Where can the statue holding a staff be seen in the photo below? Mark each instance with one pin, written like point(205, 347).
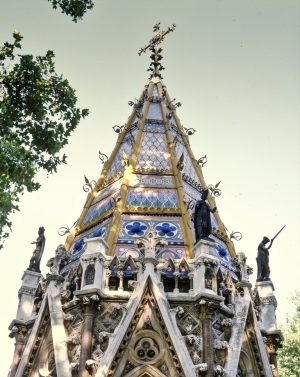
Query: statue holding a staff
point(263, 268)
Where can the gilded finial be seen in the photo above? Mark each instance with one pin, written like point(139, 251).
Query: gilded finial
point(155, 66)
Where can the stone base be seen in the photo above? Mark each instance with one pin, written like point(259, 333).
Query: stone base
point(204, 247)
point(265, 291)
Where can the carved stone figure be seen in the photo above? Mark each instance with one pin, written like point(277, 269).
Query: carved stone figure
point(34, 264)
point(55, 262)
point(194, 343)
point(202, 221)
point(263, 269)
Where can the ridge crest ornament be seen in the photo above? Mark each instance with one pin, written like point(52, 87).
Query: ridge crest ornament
point(155, 66)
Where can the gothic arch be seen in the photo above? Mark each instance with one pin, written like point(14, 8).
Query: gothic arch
point(245, 367)
point(145, 371)
point(89, 274)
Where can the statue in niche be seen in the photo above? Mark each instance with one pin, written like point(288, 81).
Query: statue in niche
point(263, 269)
point(208, 279)
point(202, 221)
point(34, 264)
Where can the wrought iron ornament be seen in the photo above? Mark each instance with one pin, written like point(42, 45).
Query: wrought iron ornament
point(155, 66)
point(89, 185)
point(102, 157)
point(202, 160)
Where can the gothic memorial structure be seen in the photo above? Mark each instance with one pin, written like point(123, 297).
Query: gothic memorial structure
point(148, 283)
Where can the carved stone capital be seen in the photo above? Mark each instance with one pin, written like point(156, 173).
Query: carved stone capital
point(269, 300)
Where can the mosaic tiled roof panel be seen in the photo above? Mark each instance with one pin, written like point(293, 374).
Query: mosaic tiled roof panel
point(154, 153)
point(151, 183)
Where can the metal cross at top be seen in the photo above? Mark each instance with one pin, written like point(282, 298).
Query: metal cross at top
point(155, 66)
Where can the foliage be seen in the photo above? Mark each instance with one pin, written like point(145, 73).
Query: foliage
point(38, 113)
point(289, 355)
point(74, 8)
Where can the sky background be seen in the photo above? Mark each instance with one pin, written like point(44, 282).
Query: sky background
point(234, 65)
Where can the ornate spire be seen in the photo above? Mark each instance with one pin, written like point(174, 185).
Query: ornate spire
point(155, 66)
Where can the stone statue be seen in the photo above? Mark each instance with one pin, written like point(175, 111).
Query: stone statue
point(202, 222)
point(263, 269)
point(55, 262)
point(34, 264)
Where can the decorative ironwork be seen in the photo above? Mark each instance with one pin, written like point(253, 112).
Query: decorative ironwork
point(214, 190)
point(137, 104)
point(173, 104)
point(63, 230)
point(102, 157)
point(189, 131)
point(192, 182)
point(89, 185)
point(155, 66)
point(113, 202)
point(190, 205)
point(139, 115)
point(118, 129)
point(202, 160)
point(180, 163)
point(236, 236)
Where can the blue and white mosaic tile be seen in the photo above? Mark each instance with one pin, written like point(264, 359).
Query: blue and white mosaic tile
point(154, 152)
point(153, 181)
point(160, 199)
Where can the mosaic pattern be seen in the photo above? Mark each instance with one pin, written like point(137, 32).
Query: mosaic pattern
point(100, 208)
point(155, 91)
point(132, 229)
point(154, 127)
point(171, 253)
point(126, 251)
point(153, 181)
point(154, 111)
point(108, 191)
point(117, 165)
point(175, 132)
point(154, 152)
point(165, 229)
point(160, 199)
point(188, 168)
point(78, 246)
point(136, 229)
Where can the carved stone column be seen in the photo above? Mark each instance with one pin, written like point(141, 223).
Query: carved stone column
point(121, 277)
point(87, 332)
point(273, 342)
point(176, 290)
point(19, 332)
point(207, 309)
point(57, 324)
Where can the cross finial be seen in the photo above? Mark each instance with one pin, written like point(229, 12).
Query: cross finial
point(155, 66)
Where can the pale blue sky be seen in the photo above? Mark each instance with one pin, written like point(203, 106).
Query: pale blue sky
point(234, 65)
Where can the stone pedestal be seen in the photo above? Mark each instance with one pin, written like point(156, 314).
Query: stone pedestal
point(93, 257)
point(30, 281)
point(205, 260)
point(204, 247)
point(265, 291)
